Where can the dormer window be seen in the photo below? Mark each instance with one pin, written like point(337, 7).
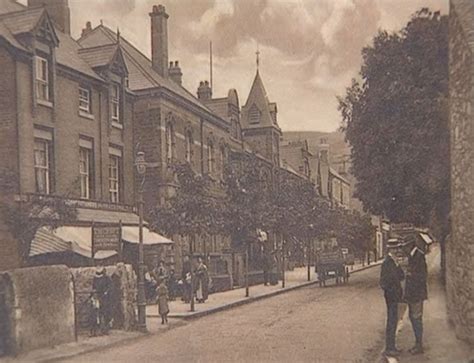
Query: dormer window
point(84, 100)
point(115, 103)
point(42, 79)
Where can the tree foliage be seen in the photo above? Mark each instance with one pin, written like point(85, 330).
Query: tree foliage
point(25, 216)
point(194, 210)
point(396, 121)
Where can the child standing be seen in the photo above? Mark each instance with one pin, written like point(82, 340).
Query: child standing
point(94, 317)
point(163, 308)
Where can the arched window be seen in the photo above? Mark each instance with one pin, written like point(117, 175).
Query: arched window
point(210, 157)
point(222, 160)
point(189, 146)
point(169, 134)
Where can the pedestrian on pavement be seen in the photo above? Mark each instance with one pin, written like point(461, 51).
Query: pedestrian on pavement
point(172, 285)
point(94, 314)
point(186, 279)
point(391, 276)
point(267, 266)
point(163, 307)
point(416, 290)
point(102, 285)
point(202, 281)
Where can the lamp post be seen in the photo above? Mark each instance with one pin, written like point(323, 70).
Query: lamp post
point(140, 164)
point(309, 250)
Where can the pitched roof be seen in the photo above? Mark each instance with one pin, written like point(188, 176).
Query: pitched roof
point(67, 54)
point(17, 19)
point(9, 6)
point(141, 75)
point(258, 98)
point(99, 56)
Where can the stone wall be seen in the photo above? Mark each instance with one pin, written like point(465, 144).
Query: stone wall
point(460, 247)
point(124, 294)
point(39, 306)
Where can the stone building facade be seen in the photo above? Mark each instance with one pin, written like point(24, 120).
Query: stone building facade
point(460, 247)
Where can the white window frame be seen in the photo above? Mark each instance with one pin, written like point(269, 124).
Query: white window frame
point(115, 101)
point(85, 156)
point(85, 99)
point(114, 178)
point(42, 168)
point(189, 147)
point(42, 78)
point(210, 157)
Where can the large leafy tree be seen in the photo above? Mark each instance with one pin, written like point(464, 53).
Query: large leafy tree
point(196, 208)
point(396, 121)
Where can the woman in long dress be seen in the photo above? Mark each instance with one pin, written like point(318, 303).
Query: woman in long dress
point(163, 308)
point(202, 278)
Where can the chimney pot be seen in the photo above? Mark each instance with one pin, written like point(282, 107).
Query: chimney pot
point(175, 72)
point(204, 91)
point(171, 64)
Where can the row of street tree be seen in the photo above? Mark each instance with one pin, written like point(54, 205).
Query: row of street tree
point(252, 196)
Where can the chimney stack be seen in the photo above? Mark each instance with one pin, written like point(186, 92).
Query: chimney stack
point(175, 72)
point(159, 40)
point(87, 29)
point(59, 12)
point(204, 91)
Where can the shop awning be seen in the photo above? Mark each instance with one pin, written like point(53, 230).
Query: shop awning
point(78, 239)
point(131, 234)
point(66, 239)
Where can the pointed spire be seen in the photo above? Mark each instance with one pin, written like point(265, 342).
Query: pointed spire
point(258, 57)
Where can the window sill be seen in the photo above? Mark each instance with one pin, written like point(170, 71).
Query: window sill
point(117, 125)
point(44, 103)
point(87, 115)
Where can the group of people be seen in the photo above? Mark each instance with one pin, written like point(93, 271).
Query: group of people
point(414, 294)
point(157, 275)
point(200, 283)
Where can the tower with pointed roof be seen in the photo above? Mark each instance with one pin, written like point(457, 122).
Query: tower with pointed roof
point(260, 128)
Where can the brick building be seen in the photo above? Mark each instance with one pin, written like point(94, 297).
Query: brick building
point(460, 247)
point(66, 122)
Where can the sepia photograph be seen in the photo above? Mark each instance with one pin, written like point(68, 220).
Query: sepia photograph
point(237, 181)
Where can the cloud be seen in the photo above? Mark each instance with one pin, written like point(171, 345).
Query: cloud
point(310, 49)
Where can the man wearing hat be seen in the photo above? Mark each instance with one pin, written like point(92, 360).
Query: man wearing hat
point(416, 290)
point(391, 277)
point(101, 285)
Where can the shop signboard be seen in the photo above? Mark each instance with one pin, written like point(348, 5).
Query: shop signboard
point(106, 237)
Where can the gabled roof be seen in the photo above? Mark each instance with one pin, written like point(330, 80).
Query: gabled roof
point(141, 75)
point(104, 55)
point(16, 19)
point(22, 21)
point(258, 99)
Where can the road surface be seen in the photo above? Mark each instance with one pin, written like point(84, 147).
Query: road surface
point(313, 324)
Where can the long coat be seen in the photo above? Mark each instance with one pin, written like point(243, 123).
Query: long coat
point(416, 288)
point(391, 277)
point(162, 292)
point(202, 281)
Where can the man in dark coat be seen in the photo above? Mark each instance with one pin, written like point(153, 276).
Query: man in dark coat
point(102, 285)
point(391, 277)
point(416, 290)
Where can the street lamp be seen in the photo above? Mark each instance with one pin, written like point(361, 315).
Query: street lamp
point(140, 164)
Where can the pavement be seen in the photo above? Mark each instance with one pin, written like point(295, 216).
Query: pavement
point(440, 342)
point(309, 324)
point(180, 312)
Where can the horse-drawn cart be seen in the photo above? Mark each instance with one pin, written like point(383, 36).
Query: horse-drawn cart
point(332, 265)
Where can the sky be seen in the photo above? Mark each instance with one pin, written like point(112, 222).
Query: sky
point(309, 49)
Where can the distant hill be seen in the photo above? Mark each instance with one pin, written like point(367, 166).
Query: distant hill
point(337, 145)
